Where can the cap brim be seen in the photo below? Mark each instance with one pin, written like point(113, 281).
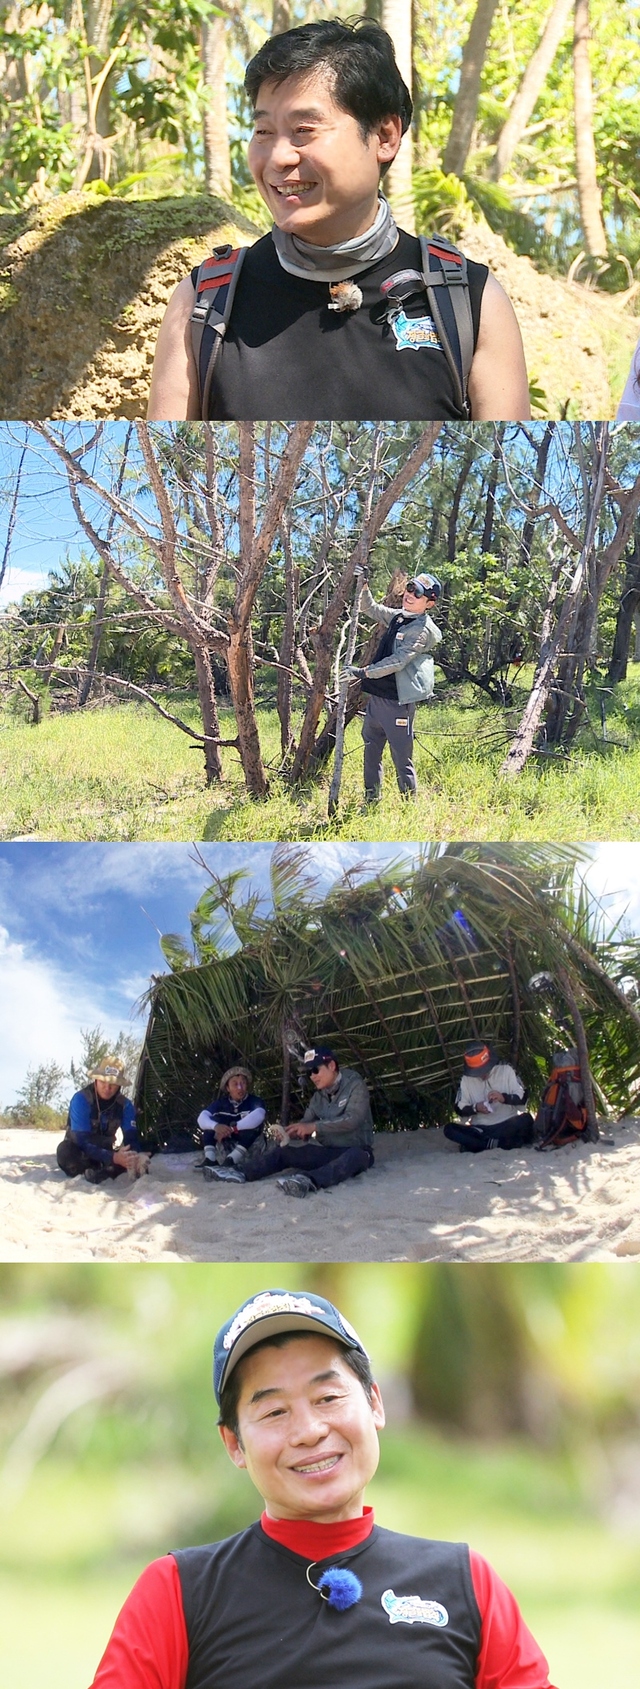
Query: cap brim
point(270, 1326)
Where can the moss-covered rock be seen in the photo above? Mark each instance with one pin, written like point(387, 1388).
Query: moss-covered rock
point(83, 287)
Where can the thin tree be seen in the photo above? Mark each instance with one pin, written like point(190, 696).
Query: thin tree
point(215, 125)
point(397, 18)
point(589, 196)
point(466, 102)
point(531, 87)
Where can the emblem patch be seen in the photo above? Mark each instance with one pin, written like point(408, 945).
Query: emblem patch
point(411, 1609)
point(414, 332)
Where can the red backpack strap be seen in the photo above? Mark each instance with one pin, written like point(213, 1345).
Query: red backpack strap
point(216, 283)
point(446, 277)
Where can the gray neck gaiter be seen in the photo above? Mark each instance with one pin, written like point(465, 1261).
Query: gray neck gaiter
point(341, 262)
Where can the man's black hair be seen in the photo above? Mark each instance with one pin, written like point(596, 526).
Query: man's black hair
point(230, 1394)
point(360, 56)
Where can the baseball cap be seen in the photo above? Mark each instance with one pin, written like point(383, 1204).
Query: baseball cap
point(268, 1314)
point(317, 1056)
point(429, 585)
point(477, 1056)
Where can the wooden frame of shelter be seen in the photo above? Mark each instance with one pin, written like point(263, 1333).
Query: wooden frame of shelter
point(398, 974)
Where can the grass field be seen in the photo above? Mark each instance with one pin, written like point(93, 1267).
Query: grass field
point(81, 1540)
point(122, 773)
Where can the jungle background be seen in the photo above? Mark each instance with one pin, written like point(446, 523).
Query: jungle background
point(513, 1395)
point(123, 126)
point(184, 670)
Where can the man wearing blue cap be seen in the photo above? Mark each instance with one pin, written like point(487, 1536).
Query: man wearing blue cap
point(338, 1119)
point(315, 1594)
point(399, 678)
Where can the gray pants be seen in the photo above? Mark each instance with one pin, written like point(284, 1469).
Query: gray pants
point(388, 723)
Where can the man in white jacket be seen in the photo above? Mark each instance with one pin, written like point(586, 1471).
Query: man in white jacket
point(491, 1104)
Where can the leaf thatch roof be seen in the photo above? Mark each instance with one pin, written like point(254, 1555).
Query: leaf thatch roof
point(398, 972)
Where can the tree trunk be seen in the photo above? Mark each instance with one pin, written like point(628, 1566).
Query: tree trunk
point(397, 19)
point(208, 711)
point(537, 490)
point(217, 158)
point(98, 29)
point(86, 687)
point(530, 88)
point(287, 644)
point(240, 668)
point(280, 17)
point(490, 503)
point(589, 197)
point(466, 104)
point(552, 644)
point(452, 525)
point(629, 603)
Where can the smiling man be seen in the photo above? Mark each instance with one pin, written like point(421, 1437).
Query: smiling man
point(315, 1594)
point(332, 314)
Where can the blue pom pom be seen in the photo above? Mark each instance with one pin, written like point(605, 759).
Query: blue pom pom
point(344, 1587)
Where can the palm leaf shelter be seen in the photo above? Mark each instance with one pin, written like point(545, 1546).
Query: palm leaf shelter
point(397, 972)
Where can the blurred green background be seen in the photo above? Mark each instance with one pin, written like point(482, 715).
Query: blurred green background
point(513, 1395)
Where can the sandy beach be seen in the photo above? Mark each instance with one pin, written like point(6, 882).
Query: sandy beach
point(422, 1201)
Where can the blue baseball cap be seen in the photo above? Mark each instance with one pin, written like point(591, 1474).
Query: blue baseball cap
point(269, 1313)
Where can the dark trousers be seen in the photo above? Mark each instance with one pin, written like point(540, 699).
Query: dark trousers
point(326, 1164)
point(386, 722)
point(73, 1159)
point(503, 1134)
point(244, 1138)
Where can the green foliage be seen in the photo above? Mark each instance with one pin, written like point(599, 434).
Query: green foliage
point(40, 1099)
point(95, 1046)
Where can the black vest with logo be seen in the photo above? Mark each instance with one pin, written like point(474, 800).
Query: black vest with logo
point(287, 357)
point(252, 1617)
point(106, 1117)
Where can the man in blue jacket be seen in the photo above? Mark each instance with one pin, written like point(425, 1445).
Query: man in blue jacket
point(399, 678)
point(100, 1114)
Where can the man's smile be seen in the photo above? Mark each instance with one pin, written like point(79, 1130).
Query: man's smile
point(307, 1468)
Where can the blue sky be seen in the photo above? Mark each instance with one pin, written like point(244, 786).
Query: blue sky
point(77, 948)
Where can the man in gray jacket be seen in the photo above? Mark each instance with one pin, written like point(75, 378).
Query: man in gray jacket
point(338, 1118)
point(399, 678)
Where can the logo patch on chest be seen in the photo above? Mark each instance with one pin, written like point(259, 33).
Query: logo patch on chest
point(414, 332)
point(411, 1609)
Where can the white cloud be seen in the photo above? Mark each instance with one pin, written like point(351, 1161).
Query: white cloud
point(614, 878)
point(41, 1013)
point(18, 581)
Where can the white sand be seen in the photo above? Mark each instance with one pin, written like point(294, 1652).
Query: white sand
point(423, 1201)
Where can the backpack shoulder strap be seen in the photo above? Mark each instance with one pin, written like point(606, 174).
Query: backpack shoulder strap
point(216, 283)
point(446, 278)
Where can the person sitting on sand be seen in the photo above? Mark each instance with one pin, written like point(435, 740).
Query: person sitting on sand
point(98, 1115)
point(329, 315)
point(233, 1122)
point(338, 1118)
point(490, 1102)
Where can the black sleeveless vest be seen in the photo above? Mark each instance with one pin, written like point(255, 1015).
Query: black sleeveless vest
point(252, 1617)
point(287, 357)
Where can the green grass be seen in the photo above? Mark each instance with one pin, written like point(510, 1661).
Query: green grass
point(82, 1534)
point(122, 773)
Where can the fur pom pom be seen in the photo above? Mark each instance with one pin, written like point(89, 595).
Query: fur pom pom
point(343, 1586)
point(345, 296)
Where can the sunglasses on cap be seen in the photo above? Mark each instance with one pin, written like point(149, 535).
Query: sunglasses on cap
point(417, 589)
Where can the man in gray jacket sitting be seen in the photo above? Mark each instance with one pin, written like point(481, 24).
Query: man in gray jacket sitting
point(338, 1119)
point(399, 678)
